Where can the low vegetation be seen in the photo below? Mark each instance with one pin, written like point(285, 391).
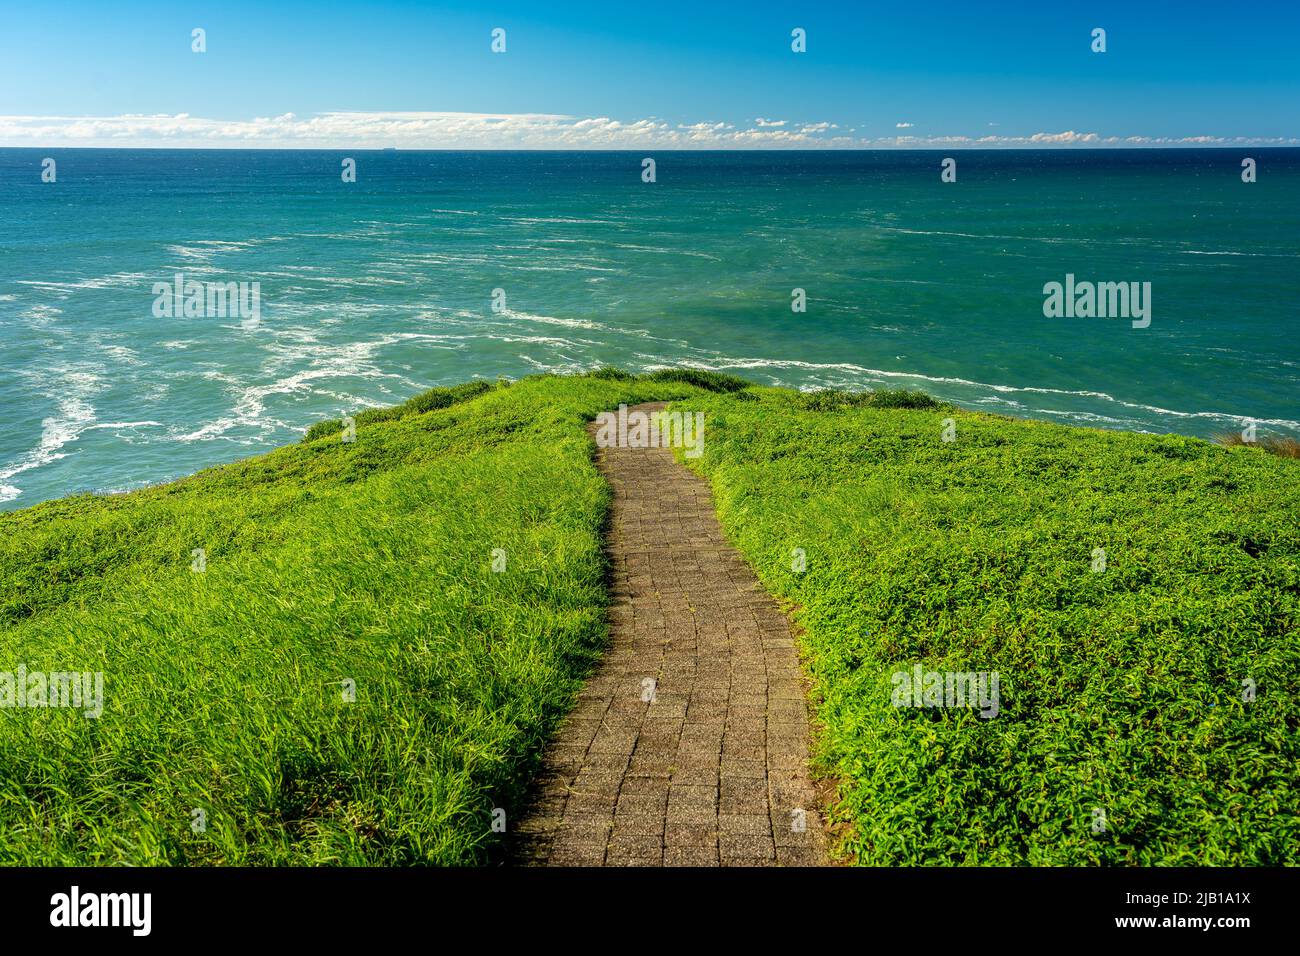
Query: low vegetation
point(1283, 447)
point(385, 631)
point(1133, 592)
point(333, 570)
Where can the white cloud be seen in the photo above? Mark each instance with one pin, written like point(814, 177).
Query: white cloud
point(705, 127)
point(445, 130)
point(1069, 136)
point(902, 126)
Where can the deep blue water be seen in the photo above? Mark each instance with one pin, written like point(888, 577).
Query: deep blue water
point(373, 290)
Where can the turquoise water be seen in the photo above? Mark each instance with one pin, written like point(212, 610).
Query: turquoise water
point(373, 290)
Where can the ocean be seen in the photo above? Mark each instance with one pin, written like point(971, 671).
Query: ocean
point(437, 267)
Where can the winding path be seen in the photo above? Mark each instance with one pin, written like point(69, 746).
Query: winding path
point(713, 769)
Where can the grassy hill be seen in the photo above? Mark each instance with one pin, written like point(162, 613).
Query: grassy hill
point(364, 570)
point(326, 562)
point(1121, 689)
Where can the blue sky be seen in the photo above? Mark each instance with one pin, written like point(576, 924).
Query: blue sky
point(661, 73)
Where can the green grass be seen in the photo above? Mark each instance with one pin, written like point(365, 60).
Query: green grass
point(1120, 690)
point(426, 401)
point(371, 562)
point(327, 561)
point(1274, 445)
point(829, 400)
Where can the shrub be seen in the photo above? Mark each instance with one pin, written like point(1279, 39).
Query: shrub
point(700, 378)
point(436, 398)
point(384, 413)
point(1282, 447)
point(610, 373)
point(321, 429)
point(427, 401)
point(901, 398)
point(831, 399)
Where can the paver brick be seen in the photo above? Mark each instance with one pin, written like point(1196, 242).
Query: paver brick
point(710, 771)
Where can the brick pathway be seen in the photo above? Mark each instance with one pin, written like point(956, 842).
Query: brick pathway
point(713, 770)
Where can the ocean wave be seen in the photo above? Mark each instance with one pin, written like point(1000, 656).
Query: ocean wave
point(71, 390)
point(975, 235)
point(513, 339)
point(66, 288)
point(192, 252)
point(858, 370)
point(1154, 244)
point(539, 220)
point(327, 362)
point(1079, 416)
point(40, 313)
point(665, 251)
point(1262, 255)
point(121, 353)
point(552, 320)
point(570, 366)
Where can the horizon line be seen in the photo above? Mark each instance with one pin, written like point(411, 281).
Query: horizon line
point(545, 132)
point(1037, 148)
